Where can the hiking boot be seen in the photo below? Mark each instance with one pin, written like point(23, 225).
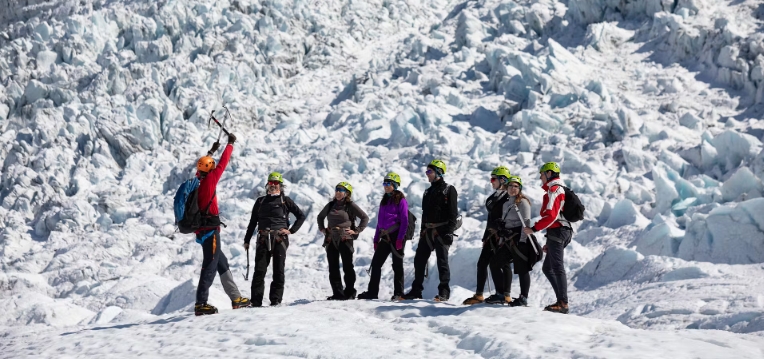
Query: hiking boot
point(558, 307)
point(350, 293)
point(336, 297)
point(496, 299)
point(412, 295)
point(475, 299)
point(520, 301)
point(241, 302)
point(204, 309)
point(396, 298)
point(441, 297)
point(275, 303)
point(367, 296)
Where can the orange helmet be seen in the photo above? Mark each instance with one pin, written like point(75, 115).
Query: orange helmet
point(205, 164)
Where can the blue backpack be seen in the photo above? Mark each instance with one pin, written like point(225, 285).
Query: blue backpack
point(188, 217)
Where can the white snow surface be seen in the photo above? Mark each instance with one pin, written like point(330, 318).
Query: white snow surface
point(652, 107)
point(366, 329)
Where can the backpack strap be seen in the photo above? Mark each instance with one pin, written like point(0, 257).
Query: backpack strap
point(207, 209)
point(286, 209)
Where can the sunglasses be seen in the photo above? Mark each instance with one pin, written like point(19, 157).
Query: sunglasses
point(387, 183)
point(340, 189)
point(274, 183)
point(494, 179)
point(429, 172)
point(514, 186)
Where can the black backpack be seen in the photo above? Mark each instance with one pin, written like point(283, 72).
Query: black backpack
point(192, 218)
point(411, 229)
point(573, 211)
point(534, 251)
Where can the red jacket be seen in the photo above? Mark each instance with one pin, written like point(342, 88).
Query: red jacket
point(209, 183)
point(554, 200)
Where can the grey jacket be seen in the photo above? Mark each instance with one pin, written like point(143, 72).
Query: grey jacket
point(512, 220)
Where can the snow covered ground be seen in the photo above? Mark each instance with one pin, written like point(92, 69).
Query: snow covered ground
point(367, 329)
point(653, 107)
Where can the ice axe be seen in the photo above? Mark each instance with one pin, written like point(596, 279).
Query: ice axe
point(222, 126)
point(246, 276)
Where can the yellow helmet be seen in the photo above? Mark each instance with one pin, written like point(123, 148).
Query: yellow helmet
point(439, 166)
point(392, 176)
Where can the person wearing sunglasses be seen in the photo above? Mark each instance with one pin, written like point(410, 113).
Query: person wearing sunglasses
point(270, 215)
point(516, 213)
point(494, 205)
point(342, 213)
point(439, 221)
point(389, 237)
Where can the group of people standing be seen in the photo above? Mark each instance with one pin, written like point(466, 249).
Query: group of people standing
point(508, 228)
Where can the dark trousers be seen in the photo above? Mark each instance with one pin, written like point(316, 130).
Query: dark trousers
point(501, 269)
point(482, 267)
point(384, 250)
point(333, 255)
point(554, 266)
point(420, 263)
point(214, 262)
point(262, 260)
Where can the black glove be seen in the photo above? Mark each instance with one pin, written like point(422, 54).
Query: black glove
point(448, 239)
point(215, 147)
point(231, 138)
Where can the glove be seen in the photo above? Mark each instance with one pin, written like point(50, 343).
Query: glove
point(231, 138)
point(376, 243)
point(399, 244)
point(215, 147)
point(448, 239)
point(246, 245)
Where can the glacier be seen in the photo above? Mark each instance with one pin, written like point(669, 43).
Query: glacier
point(652, 107)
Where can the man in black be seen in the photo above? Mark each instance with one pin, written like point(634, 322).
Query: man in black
point(439, 217)
point(270, 216)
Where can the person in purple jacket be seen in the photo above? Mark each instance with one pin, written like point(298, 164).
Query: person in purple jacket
point(392, 222)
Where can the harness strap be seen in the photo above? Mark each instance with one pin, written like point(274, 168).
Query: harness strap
point(434, 225)
point(387, 239)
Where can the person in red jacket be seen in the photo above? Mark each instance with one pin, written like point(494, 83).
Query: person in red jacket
point(558, 234)
point(209, 234)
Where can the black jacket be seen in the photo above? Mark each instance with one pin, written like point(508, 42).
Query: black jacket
point(273, 212)
point(494, 204)
point(439, 204)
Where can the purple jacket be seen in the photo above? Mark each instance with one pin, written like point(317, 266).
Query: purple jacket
point(389, 215)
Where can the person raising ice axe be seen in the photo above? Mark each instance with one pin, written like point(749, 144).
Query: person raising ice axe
point(208, 234)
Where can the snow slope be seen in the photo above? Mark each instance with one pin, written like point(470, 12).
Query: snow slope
point(365, 330)
point(653, 108)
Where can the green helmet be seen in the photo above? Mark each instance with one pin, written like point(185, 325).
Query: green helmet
point(392, 176)
point(550, 166)
point(516, 179)
point(501, 171)
point(275, 176)
point(438, 164)
point(346, 186)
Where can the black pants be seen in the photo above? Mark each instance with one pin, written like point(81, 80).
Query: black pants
point(333, 255)
point(262, 260)
point(482, 268)
point(423, 251)
point(501, 269)
point(554, 266)
point(384, 250)
point(214, 262)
